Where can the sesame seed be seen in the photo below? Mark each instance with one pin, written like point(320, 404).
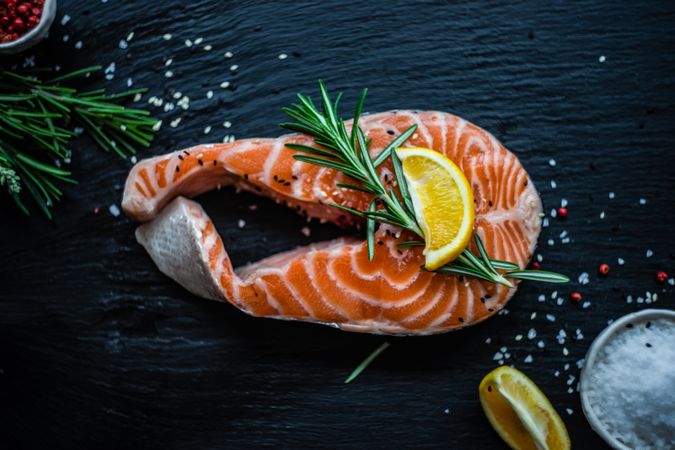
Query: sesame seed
point(209, 94)
point(199, 40)
point(241, 223)
point(234, 67)
point(283, 56)
point(167, 36)
point(551, 162)
point(228, 55)
point(225, 84)
point(208, 47)
point(168, 74)
point(188, 43)
point(207, 130)
point(611, 195)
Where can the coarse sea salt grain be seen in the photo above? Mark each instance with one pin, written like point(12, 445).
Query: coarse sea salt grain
point(114, 210)
point(632, 385)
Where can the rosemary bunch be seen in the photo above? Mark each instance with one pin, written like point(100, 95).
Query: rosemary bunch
point(349, 153)
point(40, 114)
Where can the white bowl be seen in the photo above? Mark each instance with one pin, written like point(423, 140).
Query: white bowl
point(603, 338)
point(35, 35)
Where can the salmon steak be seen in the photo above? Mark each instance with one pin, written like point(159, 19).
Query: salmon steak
point(334, 282)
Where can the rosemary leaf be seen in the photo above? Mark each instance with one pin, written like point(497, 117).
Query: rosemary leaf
point(366, 362)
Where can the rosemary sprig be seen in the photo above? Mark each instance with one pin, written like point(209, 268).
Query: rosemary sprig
point(37, 116)
point(349, 153)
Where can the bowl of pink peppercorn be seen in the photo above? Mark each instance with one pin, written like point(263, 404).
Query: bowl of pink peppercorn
point(24, 23)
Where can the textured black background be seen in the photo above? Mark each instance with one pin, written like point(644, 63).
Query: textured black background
point(98, 349)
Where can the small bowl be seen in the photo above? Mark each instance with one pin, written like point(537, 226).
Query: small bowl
point(603, 338)
point(35, 35)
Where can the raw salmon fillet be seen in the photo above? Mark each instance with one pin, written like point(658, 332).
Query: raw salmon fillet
point(333, 282)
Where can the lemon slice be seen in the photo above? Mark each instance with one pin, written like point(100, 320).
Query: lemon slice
point(443, 203)
point(520, 412)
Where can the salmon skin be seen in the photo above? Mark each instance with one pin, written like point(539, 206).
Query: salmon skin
point(333, 282)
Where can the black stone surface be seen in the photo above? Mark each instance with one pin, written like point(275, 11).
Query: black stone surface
point(99, 350)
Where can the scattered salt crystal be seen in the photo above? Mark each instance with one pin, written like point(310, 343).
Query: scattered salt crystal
point(114, 210)
point(554, 212)
point(166, 36)
point(643, 201)
point(544, 223)
point(611, 195)
point(168, 74)
point(209, 94)
point(583, 278)
point(133, 159)
point(554, 294)
point(208, 47)
point(539, 257)
point(234, 67)
point(541, 298)
point(227, 124)
point(305, 231)
point(560, 301)
point(446, 411)
point(550, 317)
point(602, 59)
point(570, 391)
point(174, 123)
point(531, 334)
point(199, 40)
point(569, 411)
point(566, 367)
point(168, 62)
point(565, 351)
point(283, 56)
point(585, 305)
point(228, 55)
point(602, 214)
point(241, 223)
point(188, 43)
point(207, 130)
point(565, 240)
point(620, 261)
point(498, 356)
point(563, 203)
point(225, 84)
point(540, 344)
point(556, 373)
point(649, 253)
point(629, 299)
point(671, 281)
point(78, 45)
point(518, 337)
point(551, 162)
point(123, 44)
point(563, 234)
point(65, 19)
point(631, 385)
point(488, 340)
point(533, 315)
point(528, 359)
point(551, 242)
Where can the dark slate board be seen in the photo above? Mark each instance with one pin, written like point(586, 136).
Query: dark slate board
point(98, 349)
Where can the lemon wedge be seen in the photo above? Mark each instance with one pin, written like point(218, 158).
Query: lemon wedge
point(520, 412)
point(443, 203)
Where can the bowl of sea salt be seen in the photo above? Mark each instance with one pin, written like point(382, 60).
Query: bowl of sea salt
point(627, 385)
